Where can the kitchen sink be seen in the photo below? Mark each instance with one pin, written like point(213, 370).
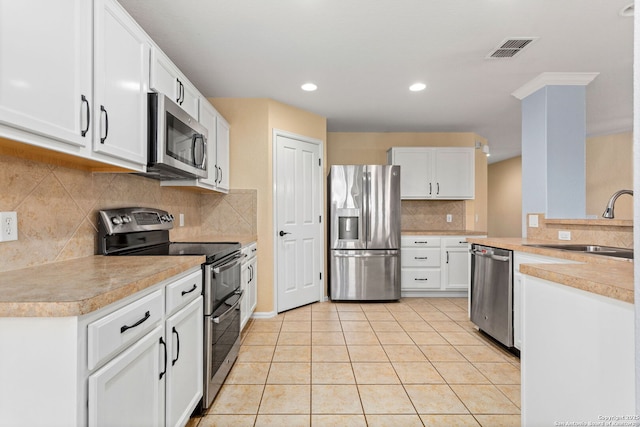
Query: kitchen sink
point(592, 249)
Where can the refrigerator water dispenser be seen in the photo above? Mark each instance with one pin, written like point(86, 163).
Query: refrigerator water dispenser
point(348, 227)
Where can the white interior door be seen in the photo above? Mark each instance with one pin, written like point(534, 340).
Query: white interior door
point(298, 224)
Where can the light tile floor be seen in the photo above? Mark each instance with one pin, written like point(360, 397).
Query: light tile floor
point(416, 362)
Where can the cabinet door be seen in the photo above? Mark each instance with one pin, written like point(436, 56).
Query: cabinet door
point(415, 172)
point(121, 83)
point(166, 78)
point(45, 68)
point(185, 364)
point(454, 176)
point(244, 305)
point(457, 268)
point(208, 116)
point(222, 153)
point(129, 390)
point(253, 286)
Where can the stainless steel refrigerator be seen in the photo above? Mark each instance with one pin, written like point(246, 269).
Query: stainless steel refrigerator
point(364, 232)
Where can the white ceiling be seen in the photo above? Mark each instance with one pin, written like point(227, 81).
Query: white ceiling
point(364, 54)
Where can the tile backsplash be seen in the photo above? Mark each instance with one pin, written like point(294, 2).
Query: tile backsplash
point(57, 209)
point(420, 215)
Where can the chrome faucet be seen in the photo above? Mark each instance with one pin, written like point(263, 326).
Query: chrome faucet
point(608, 212)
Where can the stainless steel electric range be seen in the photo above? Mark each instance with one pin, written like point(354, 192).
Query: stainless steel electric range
point(145, 231)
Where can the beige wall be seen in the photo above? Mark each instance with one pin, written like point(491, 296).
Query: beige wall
point(251, 162)
point(371, 148)
point(505, 198)
point(608, 168)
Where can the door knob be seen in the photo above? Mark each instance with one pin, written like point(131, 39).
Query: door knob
point(282, 233)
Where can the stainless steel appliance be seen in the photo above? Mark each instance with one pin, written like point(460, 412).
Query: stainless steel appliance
point(492, 292)
point(177, 146)
point(364, 232)
point(145, 231)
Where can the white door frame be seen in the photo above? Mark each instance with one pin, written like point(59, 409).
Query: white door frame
point(274, 226)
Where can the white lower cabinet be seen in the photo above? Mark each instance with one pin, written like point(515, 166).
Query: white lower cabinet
point(525, 258)
point(577, 358)
point(129, 390)
point(135, 362)
point(155, 380)
point(249, 282)
point(435, 265)
point(184, 363)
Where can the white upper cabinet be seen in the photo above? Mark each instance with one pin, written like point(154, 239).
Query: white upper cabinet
point(166, 78)
point(222, 153)
point(45, 68)
point(435, 173)
point(121, 83)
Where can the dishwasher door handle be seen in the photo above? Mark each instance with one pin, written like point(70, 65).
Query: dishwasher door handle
point(490, 255)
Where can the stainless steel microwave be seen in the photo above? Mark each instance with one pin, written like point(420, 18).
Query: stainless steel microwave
point(177, 142)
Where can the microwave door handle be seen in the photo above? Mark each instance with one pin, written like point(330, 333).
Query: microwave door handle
point(194, 139)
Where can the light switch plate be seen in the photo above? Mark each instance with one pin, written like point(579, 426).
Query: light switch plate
point(533, 221)
point(449, 217)
point(181, 220)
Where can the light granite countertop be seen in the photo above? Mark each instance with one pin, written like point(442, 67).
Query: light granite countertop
point(80, 286)
point(83, 285)
point(603, 275)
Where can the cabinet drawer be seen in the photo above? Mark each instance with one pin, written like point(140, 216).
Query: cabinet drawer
point(249, 251)
point(456, 242)
point(180, 292)
point(117, 330)
point(420, 242)
point(415, 278)
point(419, 257)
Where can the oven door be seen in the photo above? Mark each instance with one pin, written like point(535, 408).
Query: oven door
point(222, 344)
point(221, 280)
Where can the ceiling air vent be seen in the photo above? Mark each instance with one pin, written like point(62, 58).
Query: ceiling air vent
point(510, 47)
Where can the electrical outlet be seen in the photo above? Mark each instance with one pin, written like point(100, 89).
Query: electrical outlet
point(8, 226)
point(181, 216)
point(564, 235)
point(533, 221)
point(449, 217)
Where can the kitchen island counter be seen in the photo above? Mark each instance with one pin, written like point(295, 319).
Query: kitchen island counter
point(603, 275)
point(80, 286)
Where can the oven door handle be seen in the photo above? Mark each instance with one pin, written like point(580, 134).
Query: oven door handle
point(230, 310)
point(234, 261)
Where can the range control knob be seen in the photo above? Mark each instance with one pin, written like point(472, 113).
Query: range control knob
point(116, 220)
point(126, 219)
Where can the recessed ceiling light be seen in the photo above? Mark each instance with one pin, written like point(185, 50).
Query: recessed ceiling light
point(309, 87)
point(417, 87)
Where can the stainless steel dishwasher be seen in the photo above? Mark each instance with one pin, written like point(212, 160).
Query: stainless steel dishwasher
point(492, 292)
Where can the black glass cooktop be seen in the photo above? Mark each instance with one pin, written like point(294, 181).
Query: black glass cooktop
point(212, 250)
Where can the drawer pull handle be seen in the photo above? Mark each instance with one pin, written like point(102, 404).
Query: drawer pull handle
point(420, 241)
point(138, 323)
point(190, 290)
point(421, 257)
point(420, 279)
